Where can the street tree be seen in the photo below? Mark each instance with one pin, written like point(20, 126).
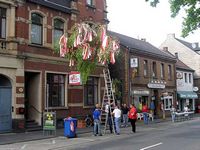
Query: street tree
point(191, 20)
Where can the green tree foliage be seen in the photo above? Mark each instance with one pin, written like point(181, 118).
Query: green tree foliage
point(191, 20)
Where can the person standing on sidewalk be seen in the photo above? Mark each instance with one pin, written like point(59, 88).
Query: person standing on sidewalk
point(125, 115)
point(117, 116)
point(97, 120)
point(145, 113)
point(132, 115)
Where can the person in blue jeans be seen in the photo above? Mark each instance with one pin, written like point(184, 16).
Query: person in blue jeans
point(97, 121)
point(145, 113)
point(117, 116)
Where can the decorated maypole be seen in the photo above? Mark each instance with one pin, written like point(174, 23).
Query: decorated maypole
point(87, 47)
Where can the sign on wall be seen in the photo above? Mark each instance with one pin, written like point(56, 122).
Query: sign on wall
point(74, 78)
point(134, 62)
point(179, 75)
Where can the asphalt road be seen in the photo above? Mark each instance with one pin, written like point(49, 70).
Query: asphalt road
point(161, 136)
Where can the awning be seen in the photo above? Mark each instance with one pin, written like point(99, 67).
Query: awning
point(187, 94)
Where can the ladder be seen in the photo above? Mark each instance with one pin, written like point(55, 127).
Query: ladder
point(108, 102)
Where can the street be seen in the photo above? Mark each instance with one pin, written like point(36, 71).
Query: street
point(156, 136)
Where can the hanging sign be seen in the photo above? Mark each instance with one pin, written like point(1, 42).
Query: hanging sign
point(134, 62)
point(74, 78)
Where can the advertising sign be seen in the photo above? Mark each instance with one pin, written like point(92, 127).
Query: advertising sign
point(74, 78)
point(49, 121)
point(134, 62)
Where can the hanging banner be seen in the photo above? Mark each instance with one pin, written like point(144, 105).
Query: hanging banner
point(74, 78)
point(134, 62)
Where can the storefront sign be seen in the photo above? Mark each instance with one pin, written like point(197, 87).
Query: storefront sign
point(74, 78)
point(156, 86)
point(141, 92)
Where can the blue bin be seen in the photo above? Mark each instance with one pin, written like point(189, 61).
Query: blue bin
point(70, 125)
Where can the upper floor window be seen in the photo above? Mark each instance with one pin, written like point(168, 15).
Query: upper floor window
point(145, 67)
point(58, 29)
point(162, 71)
point(185, 76)
point(90, 2)
point(2, 23)
point(190, 78)
point(91, 92)
point(169, 72)
point(36, 29)
point(154, 70)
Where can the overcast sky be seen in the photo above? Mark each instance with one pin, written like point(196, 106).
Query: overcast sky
point(138, 19)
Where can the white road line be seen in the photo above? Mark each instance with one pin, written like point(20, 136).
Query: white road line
point(24, 146)
point(151, 146)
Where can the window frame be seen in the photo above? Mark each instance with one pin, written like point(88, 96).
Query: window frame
point(58, 29)
point(61, 87)
point(185, 77)
point(39, 25)
point(190, 78)
point(162, 70)
point(168, 100)
point(1, 22)
point(95, 86)
point(154, 69)
point(169, 70)
point(145, 68)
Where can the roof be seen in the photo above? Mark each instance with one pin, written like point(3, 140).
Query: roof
point(62, 5)
point(140, 46)
point(192, 46)
point(181, 65)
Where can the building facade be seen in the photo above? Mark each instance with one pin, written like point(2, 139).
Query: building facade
point(188, 53)
point(33, 77)
point(148, 74)
point(185, 87)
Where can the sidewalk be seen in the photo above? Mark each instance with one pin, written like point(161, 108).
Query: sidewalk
point(9, 138)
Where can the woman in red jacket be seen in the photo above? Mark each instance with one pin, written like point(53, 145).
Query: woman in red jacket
point(132, 115)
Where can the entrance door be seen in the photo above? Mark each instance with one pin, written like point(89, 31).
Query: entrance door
point(5, 111)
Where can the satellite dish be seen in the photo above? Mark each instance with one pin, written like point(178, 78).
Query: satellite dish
point(194, 45)
point(195, 89)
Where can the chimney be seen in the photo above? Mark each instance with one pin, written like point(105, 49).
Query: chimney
point(143, 39)
point(176, 55)
point(165, 49)
point(171, 36)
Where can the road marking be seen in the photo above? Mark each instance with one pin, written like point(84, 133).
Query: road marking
point(24, 146)
point(151, 146)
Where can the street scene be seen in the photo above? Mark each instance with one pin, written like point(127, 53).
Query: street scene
point(99, 74)
point(161, 135)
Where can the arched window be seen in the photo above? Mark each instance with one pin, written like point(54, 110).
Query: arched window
point(36, 29)
point(58, 29)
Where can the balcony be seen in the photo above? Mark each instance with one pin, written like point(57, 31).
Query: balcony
point(3, 44)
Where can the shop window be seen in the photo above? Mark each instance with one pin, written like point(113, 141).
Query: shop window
point(36, 28)
point(168, 101)
point(58, 29)
point(55, 90)
point(90, 2)
point(2, 23)
point(91, 92)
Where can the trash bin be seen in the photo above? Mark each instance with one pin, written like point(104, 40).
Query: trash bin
point(70, 125)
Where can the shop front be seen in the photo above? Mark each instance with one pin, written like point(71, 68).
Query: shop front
point(186, 98)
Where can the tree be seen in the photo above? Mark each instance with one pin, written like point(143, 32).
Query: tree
point(191, 21)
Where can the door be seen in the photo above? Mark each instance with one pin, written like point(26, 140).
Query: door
point(5, 111)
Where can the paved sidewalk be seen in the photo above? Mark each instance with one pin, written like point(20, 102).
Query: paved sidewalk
point(9, 138)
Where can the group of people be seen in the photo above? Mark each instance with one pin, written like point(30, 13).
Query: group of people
point(128, 114)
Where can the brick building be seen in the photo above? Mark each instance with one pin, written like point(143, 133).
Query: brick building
point(147, 73)
point(33, 77)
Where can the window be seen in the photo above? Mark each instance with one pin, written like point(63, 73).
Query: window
point(168, 101)
point(162, 71)
point(90, 2)
point(154, 70)
point(190, 78)
point(185, 76)
point(58, 29)
point(169, 72)
point(145, 68)
point(36, 28)
point(55, 90)
point(91, 92)
point(2, 23)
